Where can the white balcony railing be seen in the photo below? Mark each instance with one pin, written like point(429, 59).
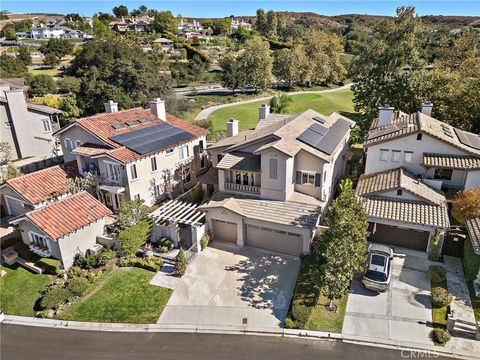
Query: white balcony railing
point(243, 188)
point(43, 251)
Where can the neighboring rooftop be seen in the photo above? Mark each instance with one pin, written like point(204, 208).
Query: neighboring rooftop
point(45, 184)
point(68, 214)
point(237, 160)
point(473, 229)
point(463, 162)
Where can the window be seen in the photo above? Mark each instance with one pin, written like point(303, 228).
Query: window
point(47, 126)
point(77, 144)
point(136, 197)
point(153, 161)
point(308, 178)
point(113, 171)
point(383, 155)
point(272, 172)
point(68, 143)
point(219, 158)
point(133, 171)
point(396, 155)
point(419, 136)
point(169, 151)
point(187, 177)
point(408, 156)
point(183, 152)
point(157, 190)
point(200, 145)
point(38, 241)
point(399, 192)
point(443, 174)
point(238, 177)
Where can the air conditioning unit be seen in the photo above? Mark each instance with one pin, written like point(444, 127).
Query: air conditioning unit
point(95, 249)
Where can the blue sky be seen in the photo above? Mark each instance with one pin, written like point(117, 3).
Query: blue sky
point(218, 8)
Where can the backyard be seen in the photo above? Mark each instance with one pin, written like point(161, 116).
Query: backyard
point(247, 114)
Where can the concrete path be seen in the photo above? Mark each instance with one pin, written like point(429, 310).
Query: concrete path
point(461, 306)
point(231, 286)
point(205, 113)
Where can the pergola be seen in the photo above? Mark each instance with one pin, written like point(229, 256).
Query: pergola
point(178, 212)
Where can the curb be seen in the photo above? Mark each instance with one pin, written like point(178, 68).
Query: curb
point(428, 350)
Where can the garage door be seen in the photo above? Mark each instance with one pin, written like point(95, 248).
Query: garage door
point(274, 240)
point(395, 236)
point(224, 231)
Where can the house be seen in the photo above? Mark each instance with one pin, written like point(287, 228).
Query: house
point(274, 182)
point(55, 31)
point(402, 210)
point(194, 25)
point(63, 228)
point(28, 128)
point(138, 153)
point(236, 23)
point(136, 24)
point(445, 157)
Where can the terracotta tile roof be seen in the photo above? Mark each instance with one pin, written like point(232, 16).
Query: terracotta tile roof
point(67, 215)
point(451, 161)
point(123, 155)
point(397, 179)
point(45, 184)
point(414, 212)
point(473, 229)
point(88, 149)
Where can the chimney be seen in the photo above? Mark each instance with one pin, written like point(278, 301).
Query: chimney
point(232, 127)
point(426, 108)
point(111, 107)
point(385, 115)
point(157, 106)
point(263, 112)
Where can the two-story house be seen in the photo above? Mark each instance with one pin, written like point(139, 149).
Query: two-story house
point(275, 182)
point(136, 153)
point(413, 164)
point(28, 128)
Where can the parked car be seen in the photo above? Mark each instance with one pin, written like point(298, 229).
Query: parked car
point(378, 273)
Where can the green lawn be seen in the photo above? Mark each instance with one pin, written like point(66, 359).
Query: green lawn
point(439, 314)
point(323, 320)
point(247, 114)
point(20, 289)
point(126, 296)
point(46, 71)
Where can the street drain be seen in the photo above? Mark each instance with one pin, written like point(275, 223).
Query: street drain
point(244, 321)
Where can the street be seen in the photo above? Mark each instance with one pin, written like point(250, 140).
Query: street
point(25, 342)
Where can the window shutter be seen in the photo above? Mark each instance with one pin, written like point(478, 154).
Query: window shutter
point(273, 169)
point(317, 179)
point(299, 177)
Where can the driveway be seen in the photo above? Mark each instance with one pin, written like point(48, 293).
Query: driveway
point(402, 314)
point(231, 286)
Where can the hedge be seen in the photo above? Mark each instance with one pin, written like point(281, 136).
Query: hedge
point(55, 297)
point(133, 237)
point(191, 51)
point(50, 265)
point(277, 45)
point(78, 286)
point(471, 261)
point(150, 264)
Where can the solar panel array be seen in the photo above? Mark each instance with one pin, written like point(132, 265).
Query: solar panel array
point(323, 138)
point(468, 139)
point(152, 138)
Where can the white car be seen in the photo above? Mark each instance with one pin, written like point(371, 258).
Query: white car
point(378, 273)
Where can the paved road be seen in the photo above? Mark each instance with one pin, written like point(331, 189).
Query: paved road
point(25, 342)
point(205, 113)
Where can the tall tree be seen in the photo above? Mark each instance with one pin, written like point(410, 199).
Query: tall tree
point(164, 21)
point(466, 205)
point(256, 62)
point(261, 22)
point(40, 85)
point(100, 28)
point(292, 65)
point(233, 76)
point(120, 11)
point(10, 67)
point(24, 55)
point(272, 23)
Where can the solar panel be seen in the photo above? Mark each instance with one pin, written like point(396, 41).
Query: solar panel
point(118, 126)
point(329, 139)
point(468, 139)
point(318, 128)
point(143, 120)
point(133, 122)
point(152, 138)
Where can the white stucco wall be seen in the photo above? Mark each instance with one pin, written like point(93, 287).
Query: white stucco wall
point(76, 133)
point(274, 189)
point(472, 179)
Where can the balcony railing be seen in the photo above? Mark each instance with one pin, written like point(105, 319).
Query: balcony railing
point(40, 250)
point(111, 182)
point(243, 188)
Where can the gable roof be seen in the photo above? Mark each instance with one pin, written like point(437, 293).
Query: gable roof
point(464, 162)
point(67, 215)
point(103, 127)
point(399, 178)
point(35, 107)
point(407, 124)
point(240, 161)
point(44, 184)
point(473, 229)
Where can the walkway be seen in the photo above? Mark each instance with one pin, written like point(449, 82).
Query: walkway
point(462, 338)
point(205, 113)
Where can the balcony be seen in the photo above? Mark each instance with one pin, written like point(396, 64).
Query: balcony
point(112, 186)
point(243, 188)
point(39, 249)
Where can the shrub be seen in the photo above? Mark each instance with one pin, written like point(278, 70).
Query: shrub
point(180, 264)
point(105, 256)
point(50, 265)
point(440, 297)
point(77, 286)
point(438, 273)
point(441, 335)
point(133, 237)
point(205, 240)
point(55, 297)
point(150, 264)
point(289, 323)
point(78, 272)
point(90, 261)
point(197, 194)
point(166, 245)
point(24, 251)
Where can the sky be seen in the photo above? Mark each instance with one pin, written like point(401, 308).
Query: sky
point(222, 8)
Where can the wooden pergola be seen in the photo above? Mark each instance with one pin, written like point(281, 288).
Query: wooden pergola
point(178, 212)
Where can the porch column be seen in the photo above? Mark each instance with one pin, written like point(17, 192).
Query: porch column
point(173, 232)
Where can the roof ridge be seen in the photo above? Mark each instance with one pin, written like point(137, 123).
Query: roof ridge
point(109, 113)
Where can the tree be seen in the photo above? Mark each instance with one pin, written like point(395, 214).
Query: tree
point(131, 212)
point(105, 18)
point(51, 60)
point(79, 184)
point(75, 17)
point(271, 28)
point(141, 11)
point(281, 24)
point(466, 205)
point(54, 50)
point(233, 76)
point(5, 153)
point(342, 246)
point(40, 85)
point(120, 11)
point(69, 108)
point(164, 21)
point(222, 26)
point(9, 33)
point(100, 28)
point(256, 63)
point(382, 73)
point(281, 103)
point(261, 22)
point(292, 65)
point(69, 84)
point(24, 55)
point(10, 67)
point(113, 71)
point(180, 264)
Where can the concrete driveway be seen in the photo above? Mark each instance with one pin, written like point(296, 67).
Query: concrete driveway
point(231, 286)
point(401, 314)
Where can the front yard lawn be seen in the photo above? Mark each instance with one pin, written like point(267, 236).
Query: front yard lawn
point(20, 289)
point(323, 320)
point(439, 313)
point(126, 297)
